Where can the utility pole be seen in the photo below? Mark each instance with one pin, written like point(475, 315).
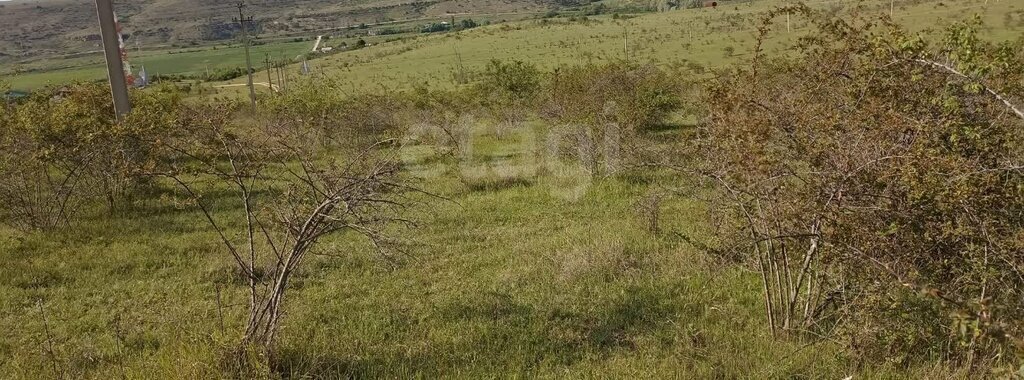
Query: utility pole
point(462, 70)
point(248, 61)
point(892, 4)
point(281, 74)
point(270, 80)
point(112, 53)
point(284, 75)
point(625, 43)
point(278, 63)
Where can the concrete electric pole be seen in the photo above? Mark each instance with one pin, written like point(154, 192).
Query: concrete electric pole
point(248, 61)
point(112, 53)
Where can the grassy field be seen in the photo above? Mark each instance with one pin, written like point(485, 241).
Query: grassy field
point(519, 274)
point(708, 37)
point(176, 61)
point(196, 60)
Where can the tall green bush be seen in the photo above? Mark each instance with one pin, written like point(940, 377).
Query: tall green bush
point(877, 184)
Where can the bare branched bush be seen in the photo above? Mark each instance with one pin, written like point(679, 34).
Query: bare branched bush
point(877, 181)
point(602, 108)
point(289, 194)
point(445, 119)
point(341, 120)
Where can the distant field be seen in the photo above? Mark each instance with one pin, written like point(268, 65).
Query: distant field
point(47, 29)
point(177, 61)
point(709, 37)
point(197, 60)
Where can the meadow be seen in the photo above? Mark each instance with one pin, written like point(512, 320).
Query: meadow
point(197, 60)
point(711, 38)
point(520, 263)
point(193, 61)
point(519, 273)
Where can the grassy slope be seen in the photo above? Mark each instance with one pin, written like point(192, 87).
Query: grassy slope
point(63, 24)
point(48, 28)
point(545, 276)
point(553, 278)
point(699, 35)
point(664, 38)
point(176, 61)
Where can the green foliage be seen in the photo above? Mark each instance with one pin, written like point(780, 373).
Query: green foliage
point(895, 176)
point(468, 24)
point(509, 91)
point(435, 27)
point(63, 147)
point(602, 107)
point(332, 117)
point(632, 96)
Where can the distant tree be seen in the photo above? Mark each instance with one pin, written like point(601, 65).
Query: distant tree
point(435, 27)
point(509, 90)
point(603, 108)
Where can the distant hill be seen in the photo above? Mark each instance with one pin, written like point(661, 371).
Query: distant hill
point(40, 28)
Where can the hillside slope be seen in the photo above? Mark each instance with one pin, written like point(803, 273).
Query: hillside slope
point(708, 38)
point(61, 27)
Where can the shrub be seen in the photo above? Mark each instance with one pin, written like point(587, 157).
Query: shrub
point(878, 187)
point(603, 107)
point(335, 119)
point(289, 193)
point(64, 146)
point(509, 90)
point(447, 116)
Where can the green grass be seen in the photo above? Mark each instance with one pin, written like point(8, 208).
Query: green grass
point(177, 61)
point(695, 35)
point(531, 270)
point(549, 276)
